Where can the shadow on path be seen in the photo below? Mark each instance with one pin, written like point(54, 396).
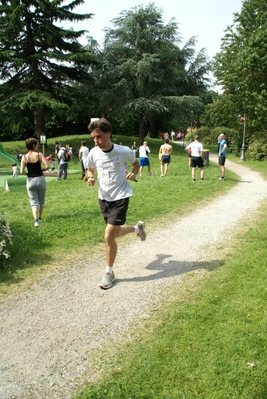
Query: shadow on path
point(171, 268)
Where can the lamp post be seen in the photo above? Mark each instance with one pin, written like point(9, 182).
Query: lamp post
point(244, 119)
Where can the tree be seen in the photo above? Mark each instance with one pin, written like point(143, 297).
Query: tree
point(39, 60)
point(241, 66)
point(144, 71)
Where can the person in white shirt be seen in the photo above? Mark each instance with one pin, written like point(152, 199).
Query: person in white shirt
point(144, 150)
point(62, 166)
point(83, 155)
point(111, 163)
point(197, 157)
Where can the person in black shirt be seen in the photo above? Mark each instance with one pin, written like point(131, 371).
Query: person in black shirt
point(36, 183)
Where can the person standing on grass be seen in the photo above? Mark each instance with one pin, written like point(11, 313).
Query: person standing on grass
point(144, 150)
point(135, 149)
point(165, 151)
point(36, 183)
point(197, 157)
point(62, 166)
point(110, 161)
point(222, 155)
point(15, 171)
point(56, 150)
point(83, 154)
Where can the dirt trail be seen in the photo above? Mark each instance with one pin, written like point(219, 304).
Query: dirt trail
point(48, 333)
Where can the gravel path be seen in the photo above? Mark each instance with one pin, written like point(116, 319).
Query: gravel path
point(49, 332)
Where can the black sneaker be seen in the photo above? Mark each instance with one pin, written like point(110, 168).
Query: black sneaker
point(142, 233)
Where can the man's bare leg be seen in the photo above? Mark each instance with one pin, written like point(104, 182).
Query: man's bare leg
point(111, 233)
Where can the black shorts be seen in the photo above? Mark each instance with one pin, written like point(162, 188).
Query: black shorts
point(197, 161)
point(114, 212)
point(221, 160)
point(165, 159)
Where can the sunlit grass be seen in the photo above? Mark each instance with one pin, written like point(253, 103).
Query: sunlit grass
point(72, 219)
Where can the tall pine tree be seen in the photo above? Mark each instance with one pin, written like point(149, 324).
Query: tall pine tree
point(39, 60)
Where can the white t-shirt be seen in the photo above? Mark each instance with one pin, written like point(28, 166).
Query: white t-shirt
point(111, 167)
point(84, 151)
point(60, 155)
point(196, 148)
point(143, 149)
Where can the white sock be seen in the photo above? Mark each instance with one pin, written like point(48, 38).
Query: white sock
point(136, 229)
point(109, 269)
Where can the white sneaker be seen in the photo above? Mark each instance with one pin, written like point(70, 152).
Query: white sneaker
point(36, 223)
point(107, 281)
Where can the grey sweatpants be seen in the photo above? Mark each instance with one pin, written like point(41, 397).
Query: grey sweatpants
point(36, 187)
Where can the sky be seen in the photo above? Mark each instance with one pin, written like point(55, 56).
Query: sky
point(206, 19)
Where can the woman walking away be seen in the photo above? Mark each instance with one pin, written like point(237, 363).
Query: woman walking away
point(36, 183)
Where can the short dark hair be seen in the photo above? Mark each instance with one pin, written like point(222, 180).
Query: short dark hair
point(101, 124)
point(83, 142)
point(30, 143)
point(166, 140)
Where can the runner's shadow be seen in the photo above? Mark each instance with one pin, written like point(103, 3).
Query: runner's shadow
point(167, 268)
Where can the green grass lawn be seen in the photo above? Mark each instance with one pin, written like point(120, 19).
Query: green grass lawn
point(72, 219)
point(208, 340)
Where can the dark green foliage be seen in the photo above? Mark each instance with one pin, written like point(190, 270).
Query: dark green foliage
point(209, 136)
point(142, 78)
point(39, 62)
point(257, 147)
point(241, 68)
point(145, 74)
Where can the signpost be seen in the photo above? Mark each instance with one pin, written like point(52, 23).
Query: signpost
point(43, 142)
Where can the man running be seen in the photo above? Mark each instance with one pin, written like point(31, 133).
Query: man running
point(110, 161)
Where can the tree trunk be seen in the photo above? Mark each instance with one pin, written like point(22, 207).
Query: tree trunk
point(40, 122)
point(152, 128)
point(141, 129)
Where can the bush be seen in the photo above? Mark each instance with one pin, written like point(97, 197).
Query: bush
point(205, 134)
point(257, 147)
point(209, 136)
point(5, 236)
